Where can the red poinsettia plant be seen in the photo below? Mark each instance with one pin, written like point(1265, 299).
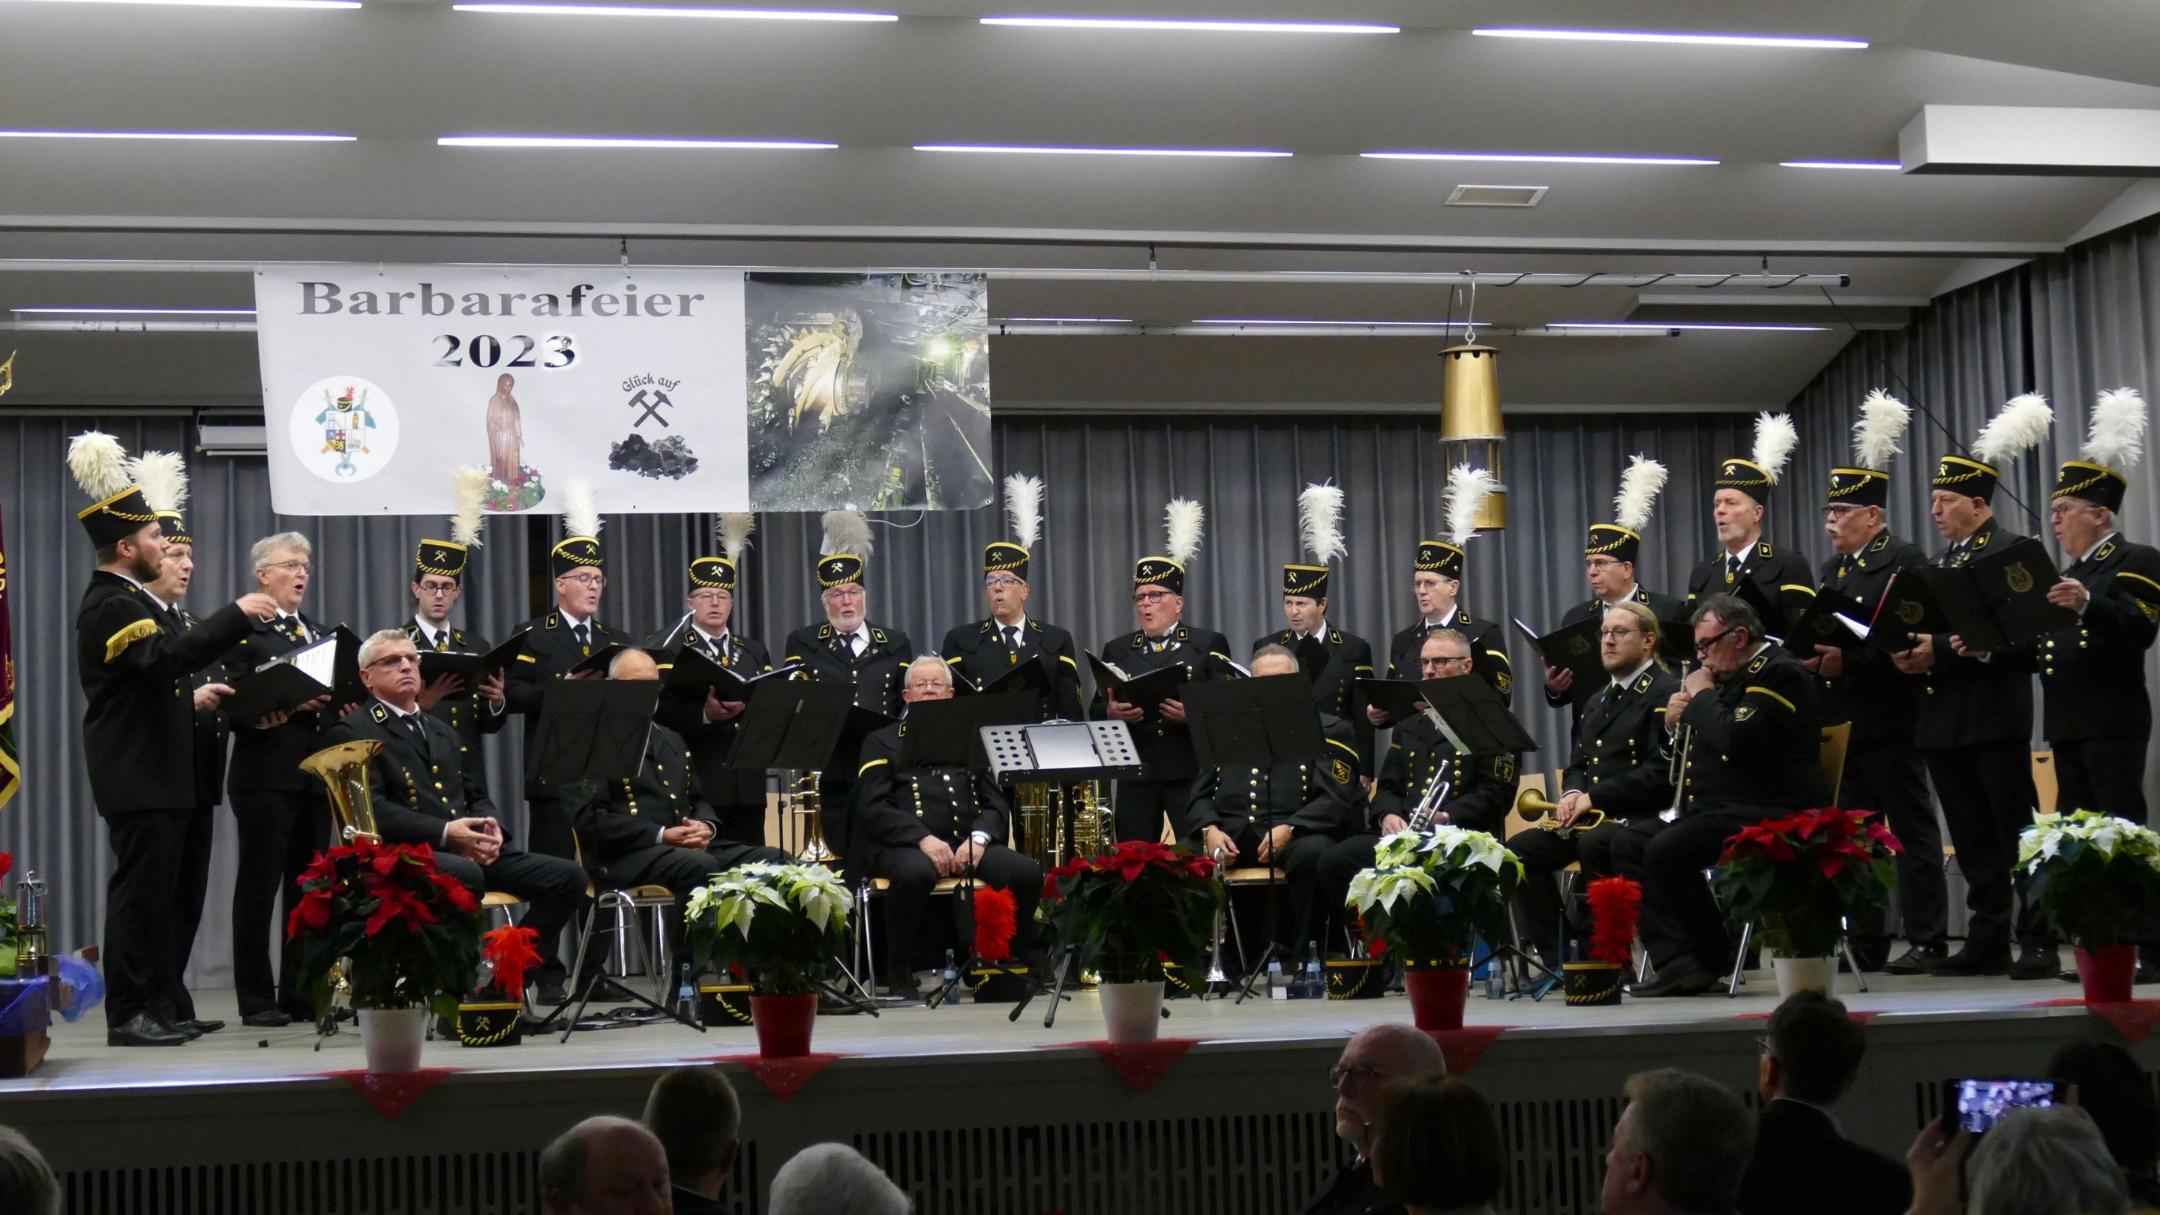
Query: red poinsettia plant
point(406, 934)
point(1802, 875)
point(1129, 911)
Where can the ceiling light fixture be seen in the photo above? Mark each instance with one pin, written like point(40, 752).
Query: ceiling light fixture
point(1765, 40)
point(1876, 166)
point(639, 10)
point(1014, 150)
point(595, 141)
point(1688, 325)
point(133, 311)
point(1063, 320)
point(1196, 24)
point(192, 136)
point(1538, 158)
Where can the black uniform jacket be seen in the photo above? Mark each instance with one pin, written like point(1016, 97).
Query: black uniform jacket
point(897, 807)
point(978, 651)
point(709, 741)
point(1623, 756)
point(1325, 795)
point(1756, 741)
point(550, 651)
point(1166, 750)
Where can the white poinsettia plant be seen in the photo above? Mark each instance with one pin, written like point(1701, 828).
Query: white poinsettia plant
point(1429, 895)
point(2097, 876)
point(780, 925)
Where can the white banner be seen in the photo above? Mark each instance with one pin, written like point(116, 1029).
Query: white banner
point(378, 381)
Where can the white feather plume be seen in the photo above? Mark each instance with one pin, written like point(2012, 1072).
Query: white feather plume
point(1320, 509)
point(1640, 484)
point(1467, 489)
point(2020, 426)
point(468, 489)
point(1183, 522)
point(162, 476)
point(846, 531)
point(1775, 438)
point(99, 463)
point(1023, 508)
point(1883, 419)
point(2115, 433)
point(733, 532)
point(581, 514)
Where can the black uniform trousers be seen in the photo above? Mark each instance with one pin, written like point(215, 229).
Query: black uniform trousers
point(280, 833)
point(681, 870)
point(1313, 895)
point(1680, 918)
point(2103, 774)
point(907, 900)
point(1538, 906)
point(551, 887)
point(1140, 806)
point(547, 826)
point(1987, 797)
point(139, 923)
point(191, 886)
point(1888, 777)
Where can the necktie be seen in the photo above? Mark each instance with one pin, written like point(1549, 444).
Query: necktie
point(1732, 569)
point(854, 645)
point(418, 732)
point(1012, 642)
point(717, 649)
point(442, 640)
point(584, 638)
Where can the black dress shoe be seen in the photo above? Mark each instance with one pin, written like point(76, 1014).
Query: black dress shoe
point(1971, 961)
point(1919, 960)
point(548, 995)
point(199, 1026)
point(181, 1028)
point(2037, 962)
point(142, 1029)
point(1683, 976)
point(269, 1018)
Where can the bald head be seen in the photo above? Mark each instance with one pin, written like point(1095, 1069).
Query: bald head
point(633, 664)
point(1374, 1056)
point(605, 1166)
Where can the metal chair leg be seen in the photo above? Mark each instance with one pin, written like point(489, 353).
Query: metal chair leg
point(1739, 962)
point(1859, 976)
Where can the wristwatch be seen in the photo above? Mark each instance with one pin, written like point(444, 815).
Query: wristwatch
point(981, 838)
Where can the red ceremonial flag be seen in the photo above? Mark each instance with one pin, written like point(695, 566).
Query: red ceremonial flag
point(10, 758)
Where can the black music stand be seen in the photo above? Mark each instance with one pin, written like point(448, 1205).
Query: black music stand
point(1255, 723)
point(1478, 722)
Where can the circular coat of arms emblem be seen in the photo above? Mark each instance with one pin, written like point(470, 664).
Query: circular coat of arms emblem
point(344, 428)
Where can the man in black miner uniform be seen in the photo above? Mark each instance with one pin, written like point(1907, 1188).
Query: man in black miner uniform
point(1861, 685)
point(656, 828)
point(1165, 745)
point(707, 723)
point(283, 817)
point(847, 648)
point(1349, 658)
point(1610, 555)
point(1622, 767)
point(139, 739)
point(1755, 716)
point(554, 645)
point(985, 650)
point(438, 583)
point(1973, 727)
point(425, 790)
point(192, 861)
point(1285, 817)
point(925, 823)
point(1779, 579)
point(1479, 788)
point(1436, 579)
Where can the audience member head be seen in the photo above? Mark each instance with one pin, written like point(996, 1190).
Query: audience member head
point(1373, 1056)
point(2049, 1161)
point(1682, 1144)
point(693, 1112)
point(1436, 1145)
point(2112, 1089)
point(27, 1184)
point(826, 1178)
point(605, 1166)
point(1813, 1051)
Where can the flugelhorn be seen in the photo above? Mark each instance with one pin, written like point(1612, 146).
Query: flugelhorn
point(1541, 812)
point(343, 768)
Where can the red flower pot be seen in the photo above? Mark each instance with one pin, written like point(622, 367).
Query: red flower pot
point(783, 1024)
point(1436, 996)
point(2106, 973)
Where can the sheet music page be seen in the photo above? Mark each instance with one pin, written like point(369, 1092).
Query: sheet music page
point(318, 662)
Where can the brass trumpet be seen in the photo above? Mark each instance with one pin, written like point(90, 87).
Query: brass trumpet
point(1536, 809)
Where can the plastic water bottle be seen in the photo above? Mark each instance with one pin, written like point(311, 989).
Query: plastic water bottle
point(1315, 981)
point(1276, 989)
point(951, 972)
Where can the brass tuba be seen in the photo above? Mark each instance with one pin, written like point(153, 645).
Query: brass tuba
point(809, 812)
point(1537, 810)
point(344, 769)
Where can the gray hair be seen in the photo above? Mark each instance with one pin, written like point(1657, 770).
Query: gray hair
point(564, 1161)
point(371, 649)
point(1698, 1136)
point(27, 1183)
point(929, 660)
point(828, 1177)
point(270, 546)
point(2045, 1162)
point(1271, 650)
point(1457, 636)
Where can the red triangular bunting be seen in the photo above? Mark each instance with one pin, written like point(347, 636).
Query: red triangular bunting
point(391, 1092)
point(783, 1078)
point(2133, 1019)
point(1464, 1047)
point(1863, 1016)
point(1141, 1064)
point(2065, 1002)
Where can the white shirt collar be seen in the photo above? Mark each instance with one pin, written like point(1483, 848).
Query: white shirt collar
point(2087, 555)
point(1635, 674)
point(861, 630)
point(1166, 634)
point(1446, 618)
point(570, 619)
point(1319, 632)
point(720, 640)
point(401, 713)
point(1625, 595)
point(1725, 557)
point(429, 631)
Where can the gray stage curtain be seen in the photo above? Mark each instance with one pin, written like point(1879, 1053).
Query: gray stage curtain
point(1108, 479)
